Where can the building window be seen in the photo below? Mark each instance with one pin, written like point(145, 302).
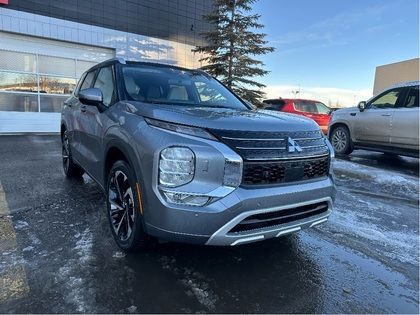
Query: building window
point(33, 83)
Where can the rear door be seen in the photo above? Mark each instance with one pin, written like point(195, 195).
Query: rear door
point(405, 122)
point(373, 125)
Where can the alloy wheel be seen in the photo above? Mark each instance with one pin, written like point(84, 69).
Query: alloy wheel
point(121, 200)
point(339, 140)
point(66, 151)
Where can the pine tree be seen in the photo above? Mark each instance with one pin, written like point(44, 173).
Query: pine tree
point(232, 46)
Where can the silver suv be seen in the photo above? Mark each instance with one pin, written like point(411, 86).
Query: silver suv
point(388, 122)
point(182, 158)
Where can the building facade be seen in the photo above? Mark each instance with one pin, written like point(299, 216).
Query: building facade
point(46, 45)
point(394, 73)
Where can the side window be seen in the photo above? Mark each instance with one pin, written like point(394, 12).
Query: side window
point(387, 100)
point(305, 107)
point(412, 99)
point(105, 82)
point(87, 82)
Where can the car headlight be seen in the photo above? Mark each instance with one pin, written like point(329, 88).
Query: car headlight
point(176, 166)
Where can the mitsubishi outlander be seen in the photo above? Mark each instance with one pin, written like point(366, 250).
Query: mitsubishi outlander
point(180, 157)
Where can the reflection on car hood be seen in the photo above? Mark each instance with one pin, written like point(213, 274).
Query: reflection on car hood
point(225, 118)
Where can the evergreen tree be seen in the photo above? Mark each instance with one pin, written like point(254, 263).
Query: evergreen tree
point(232, 45)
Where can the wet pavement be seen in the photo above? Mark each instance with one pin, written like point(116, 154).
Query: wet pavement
point(57, 253)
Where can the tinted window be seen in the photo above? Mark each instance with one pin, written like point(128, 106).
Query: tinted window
point(412, 99)
point(105, 82)
point(307, 107)
point(273, 104)
point(387, 100)
point(322, 108)
point(87, 82)
point(172, 86)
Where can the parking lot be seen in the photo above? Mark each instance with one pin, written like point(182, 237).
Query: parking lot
point(57, 253)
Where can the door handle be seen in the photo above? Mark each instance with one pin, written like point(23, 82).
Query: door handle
point(386, 115)
point(353, 114)
point(83, 109)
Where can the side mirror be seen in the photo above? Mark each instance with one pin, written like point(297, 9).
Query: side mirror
point(362, 106)
point(91, 96)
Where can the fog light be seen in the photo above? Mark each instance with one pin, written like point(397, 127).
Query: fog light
point(176, 166)
point(186, 199)
point(233, 173)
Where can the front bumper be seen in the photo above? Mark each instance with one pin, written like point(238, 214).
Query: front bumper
point(212, 225)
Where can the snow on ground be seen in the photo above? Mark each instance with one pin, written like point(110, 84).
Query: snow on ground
point(74, 275)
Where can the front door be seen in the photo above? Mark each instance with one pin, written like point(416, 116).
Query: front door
point(94, 123)
point(373, 125)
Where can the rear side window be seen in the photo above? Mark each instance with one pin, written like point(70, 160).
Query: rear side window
point(87, 82)
point(412, 99)
point(306, 107)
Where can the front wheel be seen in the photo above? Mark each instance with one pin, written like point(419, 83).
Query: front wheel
point(124, 208)
point(341, 141)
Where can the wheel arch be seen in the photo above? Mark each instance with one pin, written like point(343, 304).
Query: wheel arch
point(335, 126)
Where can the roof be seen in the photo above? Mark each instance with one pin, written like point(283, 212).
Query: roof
point(145, 63)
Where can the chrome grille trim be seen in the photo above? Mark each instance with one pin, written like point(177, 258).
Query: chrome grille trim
point(290, 158)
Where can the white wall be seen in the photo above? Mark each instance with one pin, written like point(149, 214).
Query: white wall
point(16, 122)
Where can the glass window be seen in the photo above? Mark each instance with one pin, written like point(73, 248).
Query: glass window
point(273, 104)
point(387, 100)
point(412, 97)
point(82, 66)
point(307, 107)
point(52, 103)
point(105, 83)
point(56, 85)
point(87, 83)
point(322, 108)
point(173, 86)
point(11, 60)
point(56, 65)
point(17, 102)
point(20, 82)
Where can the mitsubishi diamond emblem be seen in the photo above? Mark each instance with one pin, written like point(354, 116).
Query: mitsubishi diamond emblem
point(292, 146)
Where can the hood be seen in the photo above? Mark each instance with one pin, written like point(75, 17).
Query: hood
point(346, 110)
point(224, 118)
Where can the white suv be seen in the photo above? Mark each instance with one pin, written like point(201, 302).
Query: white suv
point(388, 122)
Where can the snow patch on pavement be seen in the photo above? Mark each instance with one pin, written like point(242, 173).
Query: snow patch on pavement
point(401, 245)
point(75, 278)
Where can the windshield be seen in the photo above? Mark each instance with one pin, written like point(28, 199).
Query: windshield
point(171, 86)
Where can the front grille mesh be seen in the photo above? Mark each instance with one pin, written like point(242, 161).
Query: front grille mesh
point(262, 146)
point(266, 173)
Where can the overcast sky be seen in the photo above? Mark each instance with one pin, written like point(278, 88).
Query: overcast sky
point(331, 47)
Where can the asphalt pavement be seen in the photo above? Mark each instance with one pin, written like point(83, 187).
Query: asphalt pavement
point(57, 253)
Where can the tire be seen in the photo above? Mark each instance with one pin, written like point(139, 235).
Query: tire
point(71, 169)
point(124, 210)
point(341, 141)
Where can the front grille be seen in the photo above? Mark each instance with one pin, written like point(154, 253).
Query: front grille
point(263, 146)
point(272, 219)
point(268, 173)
